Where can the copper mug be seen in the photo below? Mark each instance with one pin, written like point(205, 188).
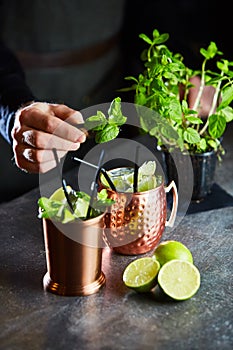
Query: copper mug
point(74, 256)
point(134, 224)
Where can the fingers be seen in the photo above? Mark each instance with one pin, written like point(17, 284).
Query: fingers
point(35, 161)
point(33, 150)
point(48, 122)
point(66, 113)
point(42, 140)
point(60, 110)
point(35, 168)
point(40, 127)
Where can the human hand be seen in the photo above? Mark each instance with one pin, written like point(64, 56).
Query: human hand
point(40, 127)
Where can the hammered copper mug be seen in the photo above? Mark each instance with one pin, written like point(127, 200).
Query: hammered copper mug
point(134, 224)
point(73, 256)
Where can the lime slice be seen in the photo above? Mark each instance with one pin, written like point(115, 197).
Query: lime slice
point(129, 178)
point(141, 274)
point(123, 178)
point(103, 180)
point(118, 181)
point(147, 183)
point(170, 250)
point(68, 216)
point(59, 194)
point(147, 168)
point(120, 184)
point(179, 279)
point(81, 207)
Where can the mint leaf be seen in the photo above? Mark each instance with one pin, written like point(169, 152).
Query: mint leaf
point(227, 113)
point(227, 97)
point(102, 201)
point(191, 136)
point(217, 125)
point(115, 113)
point(203, 144)
point(211, 51)
point(213, 144)
point(59, 210)
point(96, 122)
point(102, 195)
point(108, 133)
point(145, 38)
point(117, 120)
point(174, 109)
point(50, 208)
point(194, 120)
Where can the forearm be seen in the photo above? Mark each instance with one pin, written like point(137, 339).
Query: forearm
point(13, 90)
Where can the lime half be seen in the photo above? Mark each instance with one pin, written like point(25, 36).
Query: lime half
point(141, 274)
point(179, 279)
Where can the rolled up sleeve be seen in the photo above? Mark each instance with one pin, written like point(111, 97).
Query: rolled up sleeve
point(13, 90)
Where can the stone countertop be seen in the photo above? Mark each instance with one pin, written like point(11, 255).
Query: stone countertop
point(115, 317)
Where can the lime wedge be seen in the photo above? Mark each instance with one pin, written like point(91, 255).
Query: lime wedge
point(170, 250)
point(147, 183)
point(129, 178)
point(118, 181)
point(59, 194)
point(141, 274)
point(104, 181)
point(147, 168)
point(179, 279)
point(81, 207)
point(123, 178)
point(68, 216)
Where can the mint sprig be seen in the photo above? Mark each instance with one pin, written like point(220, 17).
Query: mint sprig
point(106, 128)
point(60, 211)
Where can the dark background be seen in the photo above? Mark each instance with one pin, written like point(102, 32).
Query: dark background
point(47, 27)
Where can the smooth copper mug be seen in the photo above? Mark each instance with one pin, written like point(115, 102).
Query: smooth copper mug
point(136, 221)
point(73, 257)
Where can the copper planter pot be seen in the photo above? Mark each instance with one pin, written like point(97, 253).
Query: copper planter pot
point(73, 257)
point(136, 221)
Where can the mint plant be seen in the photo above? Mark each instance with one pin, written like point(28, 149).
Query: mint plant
point(164, 86)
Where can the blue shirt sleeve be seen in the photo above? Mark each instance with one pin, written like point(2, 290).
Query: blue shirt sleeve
point(13, 90)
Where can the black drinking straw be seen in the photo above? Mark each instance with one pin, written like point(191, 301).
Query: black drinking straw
point(105, 174)
point(94, 185)
point(62, 180)
point(101, 170)
point(135, 177)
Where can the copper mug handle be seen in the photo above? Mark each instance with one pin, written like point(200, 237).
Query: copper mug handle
point(172, 218)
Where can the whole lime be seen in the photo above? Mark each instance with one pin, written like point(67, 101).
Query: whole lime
point(170, 250)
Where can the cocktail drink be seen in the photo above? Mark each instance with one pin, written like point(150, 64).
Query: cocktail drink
point(136, 221)
point(73, 243)
point(72, 267)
